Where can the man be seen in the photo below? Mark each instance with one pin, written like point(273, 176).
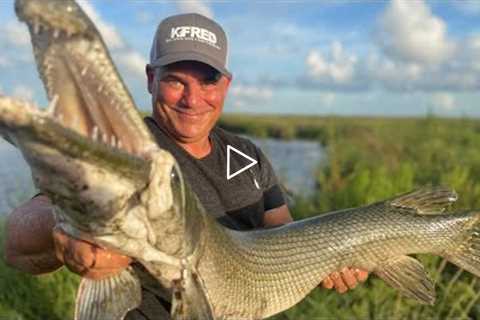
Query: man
point(188, 82)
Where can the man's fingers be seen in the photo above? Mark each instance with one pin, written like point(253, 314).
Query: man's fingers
point(361, 275)
point(87, 259)
point(327, 283)
point(107, 259)
point(86, 253)
point(340, 286)
point(349, 278)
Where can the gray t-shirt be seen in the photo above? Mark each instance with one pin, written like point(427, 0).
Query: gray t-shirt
point(240, 202)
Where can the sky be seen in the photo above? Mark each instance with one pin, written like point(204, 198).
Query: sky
point(380, 58)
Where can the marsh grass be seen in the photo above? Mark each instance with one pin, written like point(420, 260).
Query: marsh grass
point(368, 160)
point(26, 297)
point(374, 159)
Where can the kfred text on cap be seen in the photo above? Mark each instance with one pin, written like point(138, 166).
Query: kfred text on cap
point(190, 37)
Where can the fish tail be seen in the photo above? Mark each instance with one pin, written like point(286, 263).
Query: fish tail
point(466, 254)
point(108, 299)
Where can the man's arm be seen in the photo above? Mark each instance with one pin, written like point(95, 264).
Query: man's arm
point(29, 244)
point(342, 281)
point(33, 245)
point(277, 216)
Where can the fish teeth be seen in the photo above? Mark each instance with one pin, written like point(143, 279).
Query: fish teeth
point(84, 71)
point(56, 33)
point(60, 117)
point(95, 133)
point(105, 138)
point(30, 105)
point(52, 105)
point(76, 121)
point(36, 27)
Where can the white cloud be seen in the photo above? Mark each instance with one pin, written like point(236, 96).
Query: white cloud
point(443, 101)
point(251, 92)
point(107, 30)
point(133, 62)
point(393, 74)
point(16, 33)
point(243, 95)
point(338, 67)
point(409, 31)
point(414, 54)
point(23, 92)
point(196, 6)
point(327, 99)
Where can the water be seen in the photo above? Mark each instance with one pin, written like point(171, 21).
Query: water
point(294, 162)
point(16, 182)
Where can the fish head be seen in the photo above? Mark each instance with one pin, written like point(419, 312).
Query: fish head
point(89, 150)
point(78, 74)
point(89, 179)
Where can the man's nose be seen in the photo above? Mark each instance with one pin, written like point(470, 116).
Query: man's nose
point(192, 96)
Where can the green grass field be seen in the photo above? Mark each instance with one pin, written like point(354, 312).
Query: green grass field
point(369, 159)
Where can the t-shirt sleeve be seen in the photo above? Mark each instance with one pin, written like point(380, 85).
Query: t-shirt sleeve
point(272, 192)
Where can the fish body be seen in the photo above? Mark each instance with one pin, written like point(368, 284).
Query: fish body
point(113, 186)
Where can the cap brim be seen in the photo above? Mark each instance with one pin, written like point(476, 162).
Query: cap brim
point(194, 56)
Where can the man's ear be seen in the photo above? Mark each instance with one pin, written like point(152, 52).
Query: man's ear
point(229, 81)
point(150, 77)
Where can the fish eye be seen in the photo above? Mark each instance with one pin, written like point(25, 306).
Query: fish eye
point(176, 183)
point(175, 179)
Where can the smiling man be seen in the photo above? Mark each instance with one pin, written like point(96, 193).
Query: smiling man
point(188, 82)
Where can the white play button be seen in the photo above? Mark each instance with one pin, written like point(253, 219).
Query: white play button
point(251, 164)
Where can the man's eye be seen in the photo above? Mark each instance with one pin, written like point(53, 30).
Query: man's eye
point(209, 83)
point(174, 83)
point(212, 79)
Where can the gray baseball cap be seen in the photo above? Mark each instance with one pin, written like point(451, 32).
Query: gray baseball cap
point(190, 36)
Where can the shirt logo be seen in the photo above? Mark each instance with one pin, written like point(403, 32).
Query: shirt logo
point(193, 34)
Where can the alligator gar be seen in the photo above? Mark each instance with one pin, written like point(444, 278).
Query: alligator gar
point(90, 152)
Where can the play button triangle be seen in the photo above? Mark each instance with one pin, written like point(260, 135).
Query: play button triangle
point(230, 175)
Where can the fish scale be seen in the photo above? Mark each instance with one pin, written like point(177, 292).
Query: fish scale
point(288, 276)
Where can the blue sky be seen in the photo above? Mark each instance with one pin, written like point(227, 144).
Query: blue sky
point(399, 57)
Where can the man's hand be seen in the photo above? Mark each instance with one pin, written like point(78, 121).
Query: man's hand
point(86, 259)
point(345, 279)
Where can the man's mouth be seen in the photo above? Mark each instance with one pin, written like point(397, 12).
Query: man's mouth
point(189, 113)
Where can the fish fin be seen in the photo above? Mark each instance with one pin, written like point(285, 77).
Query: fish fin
point(408, 276)
point(108, 299)
point(467, 254)
point(189, 299)
point(426, 201)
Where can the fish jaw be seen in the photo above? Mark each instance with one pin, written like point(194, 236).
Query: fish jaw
point(119, 171)
point(89, 180)
point(101, 194)
point(78, 74)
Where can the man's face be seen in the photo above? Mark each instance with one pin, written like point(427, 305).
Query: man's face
point(187, 99)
